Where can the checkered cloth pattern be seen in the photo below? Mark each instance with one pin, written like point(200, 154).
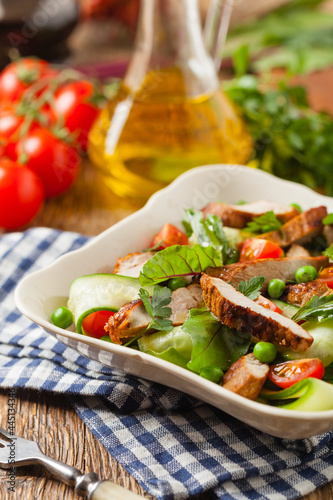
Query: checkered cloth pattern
point(173, 445)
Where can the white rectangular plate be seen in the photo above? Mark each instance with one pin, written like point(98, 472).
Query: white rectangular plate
point(38, 294)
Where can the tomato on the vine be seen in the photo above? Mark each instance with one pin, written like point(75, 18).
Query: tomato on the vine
point(22, 194)
point(20, 75)
point(73, 104)
point(9, 130)
point(54, 161)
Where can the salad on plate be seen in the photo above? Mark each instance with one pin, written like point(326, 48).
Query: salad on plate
point(241, 295)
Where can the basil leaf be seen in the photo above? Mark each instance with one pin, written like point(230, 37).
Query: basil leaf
point(317, 308)
point(252, 288)
point(179, 260)
point(264, 223)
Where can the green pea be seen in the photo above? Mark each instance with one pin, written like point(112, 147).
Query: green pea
point(62, 317)
point(305, 273)
point(174, 283)
point(276, 288)
point(212, 373)
point(265, 352)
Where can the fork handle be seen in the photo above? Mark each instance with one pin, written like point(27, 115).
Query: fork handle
point(107, 490)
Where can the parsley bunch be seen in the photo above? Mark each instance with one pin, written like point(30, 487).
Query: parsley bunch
point(290, 140)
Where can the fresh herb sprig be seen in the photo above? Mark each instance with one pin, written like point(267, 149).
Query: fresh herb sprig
point(328, 220)
point(157, 309)
point(329, 252)
point(264, 223)
point(316, 309)
point(252, 288)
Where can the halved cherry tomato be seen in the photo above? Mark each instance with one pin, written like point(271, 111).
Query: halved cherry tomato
point(268, 304)
point(327, 275)
point(288, 373)
point(169, 235)
point(93, 324)
point(256, 248)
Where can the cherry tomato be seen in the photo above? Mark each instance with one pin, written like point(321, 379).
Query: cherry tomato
point(169, 235)
point(93, 324)
point(72, 104)
point(20, 75)
point(56, 163)
point(327, 275)
point(262, 301)
point(9, 131)
point(256, 248)
point(21, 194)
point(288, 373)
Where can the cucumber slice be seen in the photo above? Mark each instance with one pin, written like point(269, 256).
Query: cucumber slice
point(96, 292)
point(288, 309)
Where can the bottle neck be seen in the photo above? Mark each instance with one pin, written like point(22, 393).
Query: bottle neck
point(169, 36)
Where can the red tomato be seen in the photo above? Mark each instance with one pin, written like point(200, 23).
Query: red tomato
point(20, 75)
point(327, 275)
point(93, 324)
point(268, 304)
point(169, 235)
point(9, 131)
point(21, 194)
point(288, 373)
point(72, 104)
point(54, 161)
point(256, 248)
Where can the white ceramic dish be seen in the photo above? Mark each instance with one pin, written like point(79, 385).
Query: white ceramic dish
point(40, 293)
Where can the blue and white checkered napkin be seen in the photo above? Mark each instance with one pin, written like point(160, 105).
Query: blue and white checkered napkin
point(173, 445)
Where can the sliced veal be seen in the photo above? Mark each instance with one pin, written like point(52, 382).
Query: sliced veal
point(238, 311)
point(132, 318)
point(246, 376)
point(283, 268)
point(239, 215)
point(300, 229)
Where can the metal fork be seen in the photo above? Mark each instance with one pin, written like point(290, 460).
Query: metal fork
point(16, 452)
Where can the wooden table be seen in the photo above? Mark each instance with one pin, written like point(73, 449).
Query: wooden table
point(89, 208)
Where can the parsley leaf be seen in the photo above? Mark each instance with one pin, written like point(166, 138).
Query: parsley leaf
point(329, 252)
point(264, 223)
point(252, 288)
point(156, 308)
point(328, 219)
point(316, 309)
point(209, 232)
point(178, 260)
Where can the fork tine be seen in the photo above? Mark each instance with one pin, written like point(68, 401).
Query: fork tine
point(6, 434)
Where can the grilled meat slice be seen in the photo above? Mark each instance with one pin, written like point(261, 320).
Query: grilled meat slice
point(296, 251)
point(132, 318)
point(239, 215)
point(301, 229)
point(283, 268)
point(237, 311)
point(300, 293)
point(132, 264)
point(246, 376)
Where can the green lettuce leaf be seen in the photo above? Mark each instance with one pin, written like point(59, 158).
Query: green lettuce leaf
point(310, 394)
point(214, 344)
point(179, 260)
point(316, 309)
